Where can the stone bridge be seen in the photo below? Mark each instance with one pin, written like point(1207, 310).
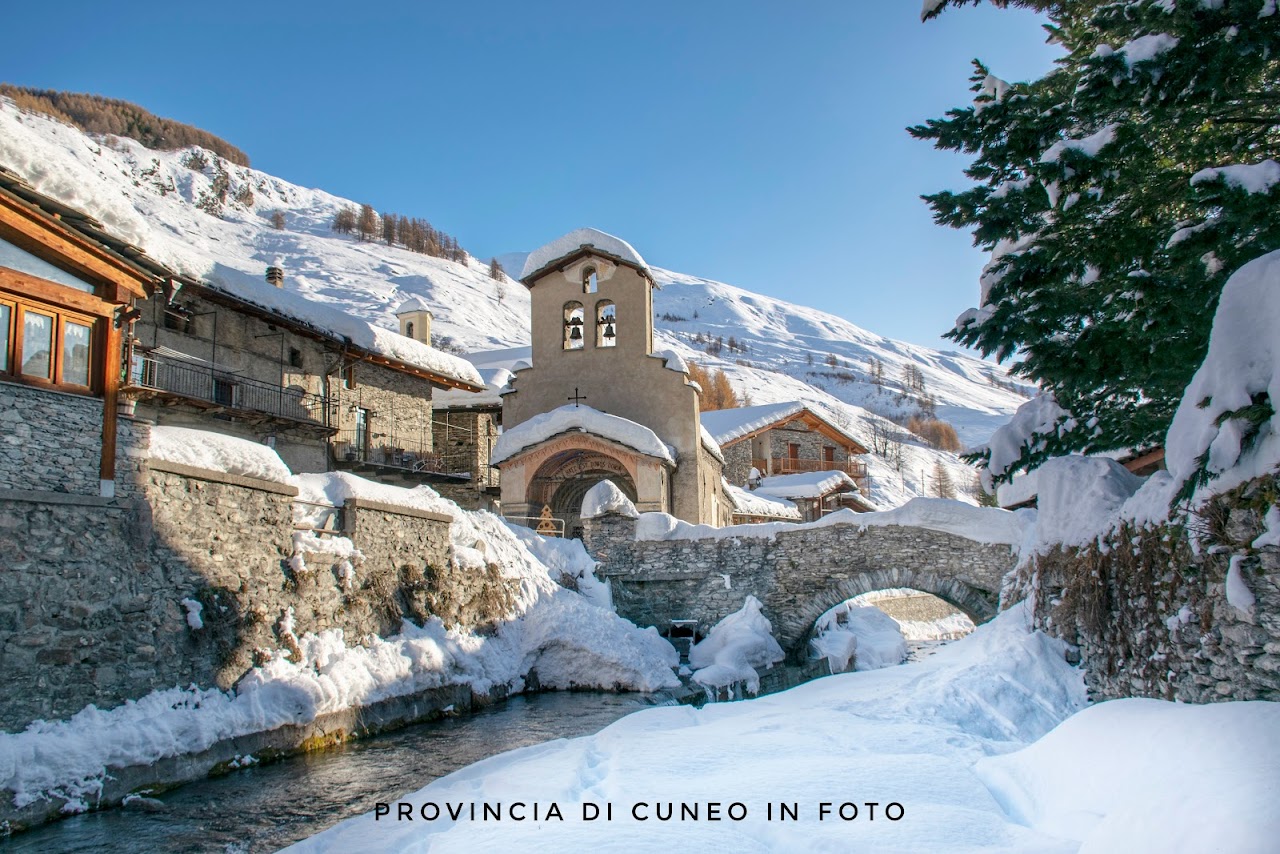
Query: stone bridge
point(797, 575)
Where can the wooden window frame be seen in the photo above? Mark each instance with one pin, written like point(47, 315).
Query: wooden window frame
point(18, 309)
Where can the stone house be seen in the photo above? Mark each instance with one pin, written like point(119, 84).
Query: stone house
point(786, 438)
point(327, 391)
point(66, 289)
point(598, 403)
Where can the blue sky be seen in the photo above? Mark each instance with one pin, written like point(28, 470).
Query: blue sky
point(758, 143)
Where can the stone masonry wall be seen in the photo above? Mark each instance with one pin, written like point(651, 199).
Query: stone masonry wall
point(1152, 619)
point(49, 441)
point(796, 575)
point(91, 605)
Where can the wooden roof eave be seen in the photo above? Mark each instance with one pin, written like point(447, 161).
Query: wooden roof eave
point(35, 229)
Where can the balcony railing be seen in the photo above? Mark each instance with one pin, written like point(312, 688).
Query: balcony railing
point(411, 453)
point(791, 465)
point(217, 388)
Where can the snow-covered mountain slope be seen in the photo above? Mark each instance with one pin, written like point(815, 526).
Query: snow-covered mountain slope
point(215, 223)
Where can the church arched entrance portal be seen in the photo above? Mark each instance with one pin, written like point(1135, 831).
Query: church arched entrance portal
point(563, 481)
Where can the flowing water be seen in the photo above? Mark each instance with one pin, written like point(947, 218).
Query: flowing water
point(265, 808)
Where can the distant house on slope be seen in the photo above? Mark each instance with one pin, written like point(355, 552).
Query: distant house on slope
point(783, 439)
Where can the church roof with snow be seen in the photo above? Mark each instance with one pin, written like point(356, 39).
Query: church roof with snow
point(579, 239)
point(412, 304)
point(583, 419)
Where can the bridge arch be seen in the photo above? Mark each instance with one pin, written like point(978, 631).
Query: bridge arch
point(795, 624)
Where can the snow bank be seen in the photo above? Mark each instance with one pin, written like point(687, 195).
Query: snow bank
point(1150, 775)
point(217, 452)
point(735, 648)
point(1080, 499)
point(605, 497)
point(1243, 362)
point(909, 734)
point(336, 487)
point(539, 428)
point(866, 631)
point(575, 240)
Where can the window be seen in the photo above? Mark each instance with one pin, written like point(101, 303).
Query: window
point(606, 324)
point(75, 352)
point(573, 315)
point(177, 318)
point(828, 454)
point(37, 344)
point(408, 329)
point(46, 346)
point(295, 357)
point(590, 280)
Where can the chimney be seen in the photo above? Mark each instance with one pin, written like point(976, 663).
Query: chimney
point(275, 276)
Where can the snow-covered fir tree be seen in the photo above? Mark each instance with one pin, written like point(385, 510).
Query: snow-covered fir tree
point(1117, 194)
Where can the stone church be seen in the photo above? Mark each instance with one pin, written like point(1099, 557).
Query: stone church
point(598, 403)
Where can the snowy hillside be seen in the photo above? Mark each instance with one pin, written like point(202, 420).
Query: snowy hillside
point(783, 351)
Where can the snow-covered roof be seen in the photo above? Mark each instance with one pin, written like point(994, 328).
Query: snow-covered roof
point(570, 243)
point(584, 419)
point(495, 380)
point(729, 424)
point(709, 442)
point(606, 497)
point(412, 304)
point(811, 484)
point(753, 504)
point(335, 322)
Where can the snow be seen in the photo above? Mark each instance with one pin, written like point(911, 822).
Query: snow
point(981, 524)
point(605, 497)
point(874, 637)
point(727, 425)
point(908, 734)
point(1080, 499)
point(1036, 418)
point(575, 240)
point(1252, 178)
point(752, 504)
point(1243, 361)
point(672, 361)
point(709, 442)
point(336, 487)
point(1142, 49)
point(194, 611)
point(814, 484)
point(1149, 775)
point(736, 649)
point(1239, 596)
point(1088, 146)
point(217, 452)
point(542, 427)
point(412, 304)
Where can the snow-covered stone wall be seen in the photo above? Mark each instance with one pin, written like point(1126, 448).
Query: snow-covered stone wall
point(92, 605)
point(1155, 617)
point(796, 574)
